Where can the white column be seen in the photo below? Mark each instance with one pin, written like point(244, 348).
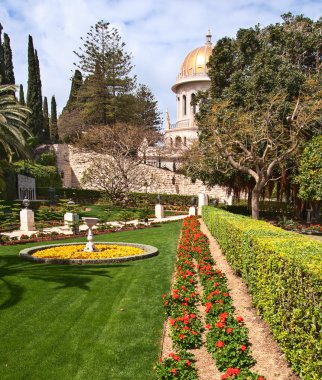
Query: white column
point(202, 201)
point(192, 211)
point(27, 220)
point(159, 211)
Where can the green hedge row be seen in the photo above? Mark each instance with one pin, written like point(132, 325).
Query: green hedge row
point(135, 199)
point(78, 195)
point(169, 199)
point(283, 273)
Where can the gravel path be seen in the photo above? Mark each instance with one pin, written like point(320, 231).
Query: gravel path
point(269, 357)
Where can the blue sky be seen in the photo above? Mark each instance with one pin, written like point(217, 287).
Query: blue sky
point(158, 33)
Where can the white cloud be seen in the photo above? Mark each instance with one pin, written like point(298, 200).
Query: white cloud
point(158, 33)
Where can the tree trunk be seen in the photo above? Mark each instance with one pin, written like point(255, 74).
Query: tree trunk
point(255, 203)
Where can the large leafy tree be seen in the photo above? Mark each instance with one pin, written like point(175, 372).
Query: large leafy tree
point(264, 101)
point(310, 171)
point(119, 170)
point(106, 67)
point(13, 129)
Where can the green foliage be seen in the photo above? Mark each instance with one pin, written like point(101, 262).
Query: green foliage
point(180, 366)
point(9, 216)
point(47, 159)
point(34, 97)
point(7, 180)
point(264, 103)
point(77, 82)
point(7, 59)
point(53, 128)
point(13, 128)
point(44, 175)
point(2, 75)
point(107, 67)
point(21, 96)
point(283, 273)
point(310, 171)
point(46, 121)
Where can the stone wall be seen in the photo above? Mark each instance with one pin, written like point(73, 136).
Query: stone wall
point(72, 164)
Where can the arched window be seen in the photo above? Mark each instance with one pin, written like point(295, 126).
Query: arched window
point(171, 141)
point(185, 141)
point(178, 141)
point(184, 105)
point(193, 104)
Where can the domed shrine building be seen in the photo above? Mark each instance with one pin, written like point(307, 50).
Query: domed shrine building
point(192, 78)
point(180, 134)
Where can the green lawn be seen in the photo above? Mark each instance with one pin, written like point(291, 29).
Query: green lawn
point(85, 322)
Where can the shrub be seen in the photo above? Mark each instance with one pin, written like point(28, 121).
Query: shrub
point(44, 175)
point(283, 274)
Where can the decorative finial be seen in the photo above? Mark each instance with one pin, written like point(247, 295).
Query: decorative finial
point(208, 37)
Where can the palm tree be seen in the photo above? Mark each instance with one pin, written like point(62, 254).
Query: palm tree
point(13, 128)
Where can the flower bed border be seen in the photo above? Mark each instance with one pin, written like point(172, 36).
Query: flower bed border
point(150, 251)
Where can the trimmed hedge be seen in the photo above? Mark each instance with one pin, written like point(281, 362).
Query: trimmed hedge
point(169, 199)
point(135, 199)
point(283, 273)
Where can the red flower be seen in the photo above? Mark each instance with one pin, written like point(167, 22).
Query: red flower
point(243, 348)
point(188, 363)
point(208, 326)
point(172, 321)
point(174, 371)
point(229, 330)
point(181, 336)
point(260, 378)
point(239, 319)
point(220, 325)
point(220, 344)
point(166, 303)
point(223, 317)
point(208, 307)
point(176, 358)
point(163, 296)
point(192, 316)
point(161, 360)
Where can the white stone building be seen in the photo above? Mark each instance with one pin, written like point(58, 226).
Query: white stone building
point(192, 78)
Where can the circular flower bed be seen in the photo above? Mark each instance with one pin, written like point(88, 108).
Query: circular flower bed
point(73, 253)
point(104, 251)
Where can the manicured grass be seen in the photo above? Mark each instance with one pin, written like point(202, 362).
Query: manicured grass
point(85, 322)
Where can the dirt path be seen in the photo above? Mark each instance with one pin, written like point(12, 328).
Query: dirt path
point(269, 357)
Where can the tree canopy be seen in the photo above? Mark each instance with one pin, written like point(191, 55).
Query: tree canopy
point(264, 101)
point(104, 90)
point(310, 171)
point(13, 129)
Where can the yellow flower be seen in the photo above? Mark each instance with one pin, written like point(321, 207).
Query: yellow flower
point(77, 252)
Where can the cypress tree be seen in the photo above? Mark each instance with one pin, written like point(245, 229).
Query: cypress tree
point(53, 121)
point(77, 82)
point(31, 91)
point(2, 76)
point(34, 98)
point(21, 96)
point(46, 120)
point(9, 75)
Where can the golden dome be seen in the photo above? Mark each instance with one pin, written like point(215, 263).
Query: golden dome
point(196, 61)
